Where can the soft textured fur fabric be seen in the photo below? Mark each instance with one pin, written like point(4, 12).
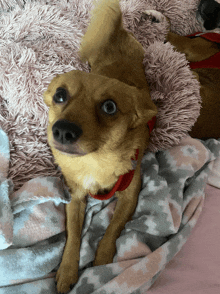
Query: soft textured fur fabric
point(42, 40)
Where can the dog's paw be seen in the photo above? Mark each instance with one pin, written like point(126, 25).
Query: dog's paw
point(102, 258)
point(67, 275)
point(154, 16)
point(105, 252)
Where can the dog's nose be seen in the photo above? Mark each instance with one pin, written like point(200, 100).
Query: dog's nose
point(66, 132)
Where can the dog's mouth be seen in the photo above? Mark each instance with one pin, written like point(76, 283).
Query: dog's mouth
point(72, 149)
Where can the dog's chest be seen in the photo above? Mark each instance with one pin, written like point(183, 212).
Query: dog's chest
point(89, 175)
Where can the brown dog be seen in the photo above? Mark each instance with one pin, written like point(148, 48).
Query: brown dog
point(196, 50)
point(97, 124)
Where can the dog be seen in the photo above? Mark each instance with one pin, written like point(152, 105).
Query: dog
point(98, 129)
point(204, 57)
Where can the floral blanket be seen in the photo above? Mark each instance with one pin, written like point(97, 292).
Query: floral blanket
point(32, 231)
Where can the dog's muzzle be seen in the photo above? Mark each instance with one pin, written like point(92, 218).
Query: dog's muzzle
point(65, 132)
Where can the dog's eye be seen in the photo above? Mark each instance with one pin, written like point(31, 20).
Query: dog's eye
point(109, 107)
point(60, 96)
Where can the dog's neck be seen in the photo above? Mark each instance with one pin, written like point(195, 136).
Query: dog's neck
point(124, 180)
point(122, 183)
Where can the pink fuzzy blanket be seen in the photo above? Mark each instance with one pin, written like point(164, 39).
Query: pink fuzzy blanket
point(42, 40)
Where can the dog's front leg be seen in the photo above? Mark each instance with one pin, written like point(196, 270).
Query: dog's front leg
point(68, 270)
point(126, 204)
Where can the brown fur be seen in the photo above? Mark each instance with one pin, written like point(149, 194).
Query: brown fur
point(208, 123)
point(198, 49)
point(108, 142)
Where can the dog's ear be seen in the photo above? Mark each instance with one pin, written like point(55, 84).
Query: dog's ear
point(105, 40)
point(145, 109)
point(100, 39)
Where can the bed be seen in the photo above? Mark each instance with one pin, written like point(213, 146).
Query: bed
point(172, 242)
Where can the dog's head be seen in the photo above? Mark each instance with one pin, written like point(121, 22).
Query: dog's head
point(209, 14)
point(89, 111)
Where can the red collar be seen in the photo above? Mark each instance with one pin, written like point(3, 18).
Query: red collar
point(124, 180)
point(213, 61)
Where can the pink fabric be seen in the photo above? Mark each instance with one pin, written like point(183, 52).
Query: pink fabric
point(196, 271)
